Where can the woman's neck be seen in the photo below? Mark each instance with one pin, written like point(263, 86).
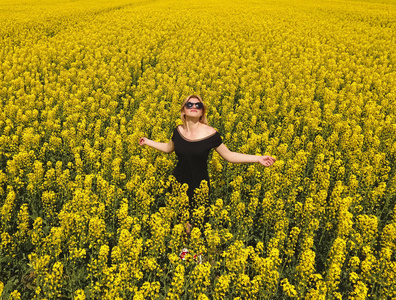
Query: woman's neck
point(192, 125)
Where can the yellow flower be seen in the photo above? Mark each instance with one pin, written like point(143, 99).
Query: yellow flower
point(15, 295)
point(200, 278)
point(7, 208)
point(79, 295)
point(177, 283)
point(360, 291)
point(305, 267)
point(336, 260)
point(292, 241)
point(288, 288)
point(222, 286)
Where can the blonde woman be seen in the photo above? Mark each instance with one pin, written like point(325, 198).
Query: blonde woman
point(192, 143)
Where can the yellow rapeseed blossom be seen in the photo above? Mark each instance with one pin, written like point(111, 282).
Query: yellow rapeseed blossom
point(79, 295)
point(200, 278)
point(222, 286)
point(177, 283)
point(336, 260)
point(288, 288)
point(97, 215)
point(15, 295)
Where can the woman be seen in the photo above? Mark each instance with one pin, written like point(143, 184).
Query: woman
point(192, 143)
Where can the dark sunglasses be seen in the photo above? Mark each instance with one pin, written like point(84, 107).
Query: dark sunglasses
point(198, 105)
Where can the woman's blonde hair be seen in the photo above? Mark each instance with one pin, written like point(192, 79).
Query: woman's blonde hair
point(202, 119)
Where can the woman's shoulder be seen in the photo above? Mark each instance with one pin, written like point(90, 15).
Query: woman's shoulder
point(175, 131)
point(178, 128)
point(208, 129)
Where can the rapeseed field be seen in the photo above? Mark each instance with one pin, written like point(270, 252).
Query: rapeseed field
point(86, 213)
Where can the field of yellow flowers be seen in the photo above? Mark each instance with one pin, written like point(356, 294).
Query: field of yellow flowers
point(86, 213)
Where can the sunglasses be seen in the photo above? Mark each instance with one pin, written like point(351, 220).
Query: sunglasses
point(198, 105)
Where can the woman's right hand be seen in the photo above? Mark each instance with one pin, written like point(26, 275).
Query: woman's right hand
point(143, 141)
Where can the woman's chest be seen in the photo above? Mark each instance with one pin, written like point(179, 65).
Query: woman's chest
point(183, 147)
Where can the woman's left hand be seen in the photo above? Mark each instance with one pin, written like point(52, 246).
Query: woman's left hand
point(266, 160)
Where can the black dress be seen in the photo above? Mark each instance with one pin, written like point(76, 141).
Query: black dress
point(192, 166)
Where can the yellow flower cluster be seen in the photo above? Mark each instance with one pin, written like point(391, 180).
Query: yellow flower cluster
point(87, 213)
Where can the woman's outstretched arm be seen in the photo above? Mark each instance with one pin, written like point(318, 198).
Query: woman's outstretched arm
point(235, 157)
point(164, 147)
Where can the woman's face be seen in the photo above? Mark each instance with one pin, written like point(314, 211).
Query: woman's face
point(193, 111)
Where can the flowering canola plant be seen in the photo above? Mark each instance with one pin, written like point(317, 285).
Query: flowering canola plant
point(86, 213)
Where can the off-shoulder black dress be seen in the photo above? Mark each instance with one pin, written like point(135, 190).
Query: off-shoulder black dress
point(192, 166)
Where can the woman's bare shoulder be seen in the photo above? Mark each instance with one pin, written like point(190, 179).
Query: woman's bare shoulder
point(209, 129)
